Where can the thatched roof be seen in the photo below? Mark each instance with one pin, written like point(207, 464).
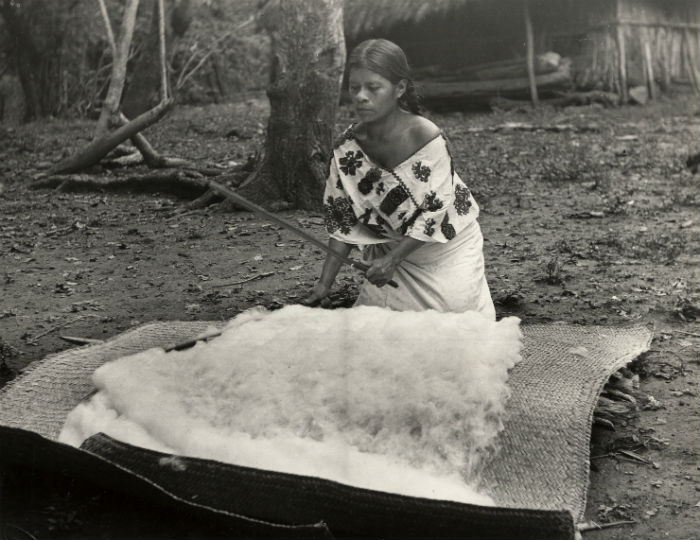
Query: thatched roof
point(361, 15)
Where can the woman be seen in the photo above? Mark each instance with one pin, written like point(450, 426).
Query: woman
point(392, 189)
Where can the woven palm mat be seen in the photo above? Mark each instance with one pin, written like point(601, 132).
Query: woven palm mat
point(544, 448)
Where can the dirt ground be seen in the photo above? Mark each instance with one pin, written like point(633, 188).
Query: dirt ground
point(591, 219)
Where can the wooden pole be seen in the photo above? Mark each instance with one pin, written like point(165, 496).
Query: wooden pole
point(667, 49)
point(648, 64)
point(530, 47)
point(621, 54)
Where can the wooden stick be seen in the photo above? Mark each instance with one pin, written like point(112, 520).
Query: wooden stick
point(253, 278)
point(593, 526)
point(81, 340)
point(248, 205)
point(530, 48)
point(33, 340)
point(648, 65)
point(686, 333)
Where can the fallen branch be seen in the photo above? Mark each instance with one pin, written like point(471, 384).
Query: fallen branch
point(593, 526)
point(184, 184)
point(686, 333)
point(253, 278)
point(81, 340)
point(126, 160)
point(33, 340)
point(154, 160)
point(99, 148)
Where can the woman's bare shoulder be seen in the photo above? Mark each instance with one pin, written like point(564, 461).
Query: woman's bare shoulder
point(422, 130)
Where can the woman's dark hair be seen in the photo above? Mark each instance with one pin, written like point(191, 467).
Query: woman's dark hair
point(387, 59)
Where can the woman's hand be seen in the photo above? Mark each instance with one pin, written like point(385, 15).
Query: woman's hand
point(381, 270)
point(318, 297)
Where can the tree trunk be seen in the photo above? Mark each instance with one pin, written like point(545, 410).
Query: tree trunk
point(120, 54)
point(37, 60)
point(308, 58)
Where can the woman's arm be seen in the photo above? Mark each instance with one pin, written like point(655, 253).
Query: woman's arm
point(382, 269)
point(330, 271)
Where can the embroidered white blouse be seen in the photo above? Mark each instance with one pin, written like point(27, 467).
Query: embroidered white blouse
point(422, 197)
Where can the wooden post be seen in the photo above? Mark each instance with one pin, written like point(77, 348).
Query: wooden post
point(690, 60)
point(621, 53)
point(530, 46)
point(667, 61)
point(648, 64)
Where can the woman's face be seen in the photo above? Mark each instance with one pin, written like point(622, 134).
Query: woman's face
point(373, 96)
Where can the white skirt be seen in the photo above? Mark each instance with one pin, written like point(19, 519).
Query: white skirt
point(440, 276)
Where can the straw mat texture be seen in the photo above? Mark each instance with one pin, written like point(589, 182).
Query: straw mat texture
point(544, 448)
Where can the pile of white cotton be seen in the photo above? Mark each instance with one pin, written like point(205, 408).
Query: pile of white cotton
point(403, 402)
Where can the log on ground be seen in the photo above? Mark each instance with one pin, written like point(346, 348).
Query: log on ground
point(433, 91)
point(183, 184)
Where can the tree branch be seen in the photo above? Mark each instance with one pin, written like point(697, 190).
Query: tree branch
point(163, 62)
point(99, 148)
point(108, 28)
point(116, 83)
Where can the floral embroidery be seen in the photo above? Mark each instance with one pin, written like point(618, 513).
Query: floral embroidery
point(462, 202)
point(339, 215)
point(366, 185)
point(410, 221)
point(351, 162)
point(393, 200)
point(421, 172)
point(447, 229)
point(380, 188)
point(431, 202)
point(429, 227)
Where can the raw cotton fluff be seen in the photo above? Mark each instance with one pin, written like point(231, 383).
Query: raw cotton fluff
point(397, 401)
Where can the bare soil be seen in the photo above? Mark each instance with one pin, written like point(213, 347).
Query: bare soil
point(593, 222)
